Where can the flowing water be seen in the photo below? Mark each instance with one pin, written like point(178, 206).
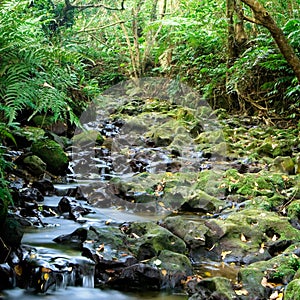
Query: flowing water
point(42, 240)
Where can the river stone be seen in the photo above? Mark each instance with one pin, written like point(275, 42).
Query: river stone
point(52, 154)
point(212, 288)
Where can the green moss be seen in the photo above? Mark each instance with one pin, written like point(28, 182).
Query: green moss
point(293, 210)
point(52, 154)
point(292, 291)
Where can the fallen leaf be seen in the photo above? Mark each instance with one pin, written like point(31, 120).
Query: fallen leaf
point(164, 272)
point(100, 248)
point(224, 254)
point(134, 235)
point(107, 222)
point(243, 238)
point(242, 292)
point(262, 250)
point(199, 238)
point(274, 238)
point(274, 295)
point(265, 283)
point(18, 269)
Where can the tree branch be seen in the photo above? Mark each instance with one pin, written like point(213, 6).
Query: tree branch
point(101, 27)
point(82, 7)
point(252, 20)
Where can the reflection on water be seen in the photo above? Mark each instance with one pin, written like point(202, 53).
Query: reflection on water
point(79, 293)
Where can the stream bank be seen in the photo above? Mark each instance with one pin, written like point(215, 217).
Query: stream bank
point(160, 195)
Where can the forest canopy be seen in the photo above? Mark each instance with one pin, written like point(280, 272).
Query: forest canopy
point(57, 55)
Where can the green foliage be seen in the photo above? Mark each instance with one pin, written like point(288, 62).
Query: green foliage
point(35, 74)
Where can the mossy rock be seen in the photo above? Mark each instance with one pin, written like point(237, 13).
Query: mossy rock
point(26, 135)
point(202, 202)
point(293, 210)
point(173, 262)
point(283, 164)
point(52, 154)
point(87, 137)
point(217, 287)
point(292, 291)
point(192, 232)
point(154, 240)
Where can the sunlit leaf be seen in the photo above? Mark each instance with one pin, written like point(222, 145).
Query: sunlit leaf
point(18, 269)
point(242, 292)
point(224, 254)
point(243, 238)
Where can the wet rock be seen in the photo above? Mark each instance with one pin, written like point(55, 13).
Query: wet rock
point(138, 277)
point(12, 232)
point(45, 186)
point(163, 135)
point(72, 208)
point(52, 154)
point(30, 195)
point(74, 239)
point(217, 288)
point(107, 243)
point(7, 277)
point(41, 272)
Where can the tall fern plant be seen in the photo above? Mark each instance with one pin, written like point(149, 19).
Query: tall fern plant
point(35, 74)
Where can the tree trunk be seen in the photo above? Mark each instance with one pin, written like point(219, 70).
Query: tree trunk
point(232, 51)
point(262, 17)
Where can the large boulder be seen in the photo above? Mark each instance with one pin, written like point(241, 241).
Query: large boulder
point(52, 154)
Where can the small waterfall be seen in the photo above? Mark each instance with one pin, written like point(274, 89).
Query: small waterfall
point(88, 280)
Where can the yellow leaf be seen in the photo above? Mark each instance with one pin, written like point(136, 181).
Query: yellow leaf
point(242, 292)
point(161, 204)
point(107, 222)
point(274, 238)
point(243, 238)
point(208, 274)
point(18, 269)
point(46, 276)
point(100, 248)
point(261, 250)
point(164, 272)
point(276, 296)
point(224, 254)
